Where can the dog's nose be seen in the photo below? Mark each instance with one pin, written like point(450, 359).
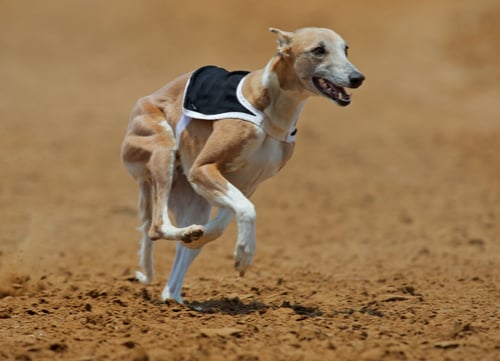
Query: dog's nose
point(356, 79)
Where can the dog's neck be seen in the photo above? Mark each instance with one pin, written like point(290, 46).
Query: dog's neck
point(278, 93)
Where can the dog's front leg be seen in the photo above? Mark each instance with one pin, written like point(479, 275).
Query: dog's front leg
point(211, 184)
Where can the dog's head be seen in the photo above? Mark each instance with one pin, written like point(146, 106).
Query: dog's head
point(319, 59)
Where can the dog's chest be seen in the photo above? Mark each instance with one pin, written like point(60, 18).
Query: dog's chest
point(257, 162)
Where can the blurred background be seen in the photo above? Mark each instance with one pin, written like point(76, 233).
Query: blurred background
point(413, 162)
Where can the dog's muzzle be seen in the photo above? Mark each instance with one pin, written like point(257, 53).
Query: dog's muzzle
point(336, 92)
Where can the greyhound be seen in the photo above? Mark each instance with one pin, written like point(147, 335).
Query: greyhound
point(209, 137)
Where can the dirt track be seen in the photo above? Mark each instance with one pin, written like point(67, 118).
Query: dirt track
point(380, 240)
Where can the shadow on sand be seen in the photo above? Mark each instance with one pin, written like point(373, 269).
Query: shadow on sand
point(235, 306)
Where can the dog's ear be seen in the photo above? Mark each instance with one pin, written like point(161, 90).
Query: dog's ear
point(284, 40)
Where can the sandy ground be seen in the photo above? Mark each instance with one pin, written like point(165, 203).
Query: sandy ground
point(380, 240)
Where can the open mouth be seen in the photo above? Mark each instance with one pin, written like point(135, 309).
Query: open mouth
point(332, 91)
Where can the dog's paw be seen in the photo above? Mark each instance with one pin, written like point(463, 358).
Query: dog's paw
point(141, 277)
point(155, 233)
point(167, 297)
point(243, 256)
point(193, 233)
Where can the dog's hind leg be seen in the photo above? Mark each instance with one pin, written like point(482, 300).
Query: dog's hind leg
point(184, 256)
point(149, 153)
point(161, 166)
point(188, 208)
point(183, 259)
point(185, 253)
point(146, 251)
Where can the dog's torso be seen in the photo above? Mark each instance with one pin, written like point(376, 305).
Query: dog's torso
point(251, 156)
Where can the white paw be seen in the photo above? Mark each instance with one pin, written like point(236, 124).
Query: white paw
point(141, 277)
point(243, 256)
point(166, 296)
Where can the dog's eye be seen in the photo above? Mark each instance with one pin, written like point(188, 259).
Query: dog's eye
point(319, 51)
point(345, 50)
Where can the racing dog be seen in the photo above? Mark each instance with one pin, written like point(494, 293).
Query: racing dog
point(208, 138)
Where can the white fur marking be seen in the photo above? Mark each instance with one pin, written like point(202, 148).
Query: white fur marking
point(245, 217)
